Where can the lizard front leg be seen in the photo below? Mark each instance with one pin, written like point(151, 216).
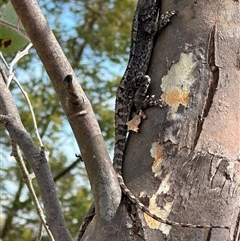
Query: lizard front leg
point(141, 100)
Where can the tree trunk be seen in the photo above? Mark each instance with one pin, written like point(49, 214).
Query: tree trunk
point(184, 164)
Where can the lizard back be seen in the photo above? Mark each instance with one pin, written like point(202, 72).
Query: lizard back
point(144, 27)
point(140, 53)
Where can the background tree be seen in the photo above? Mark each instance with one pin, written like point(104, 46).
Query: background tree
point(90, 48)
point(194, 169)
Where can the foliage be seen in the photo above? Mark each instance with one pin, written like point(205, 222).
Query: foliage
point(94, 35)
point(13, 35)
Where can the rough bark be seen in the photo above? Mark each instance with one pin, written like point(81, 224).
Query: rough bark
point(184, 163)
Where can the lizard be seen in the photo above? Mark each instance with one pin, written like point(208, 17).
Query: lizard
point(131, 92)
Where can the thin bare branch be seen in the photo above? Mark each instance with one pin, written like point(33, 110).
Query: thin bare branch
point(28, 181)
point(38, 161)
point(18, 56)
point(11, 76)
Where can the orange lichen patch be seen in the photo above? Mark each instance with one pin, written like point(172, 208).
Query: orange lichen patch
point(177, 83)
point(162, 212)
point(176, 97)
point(152, 223)
point(158, 155)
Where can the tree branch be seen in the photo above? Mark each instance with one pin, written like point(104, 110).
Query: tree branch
point(105, 187)
point(12, 122)
point(28, 181)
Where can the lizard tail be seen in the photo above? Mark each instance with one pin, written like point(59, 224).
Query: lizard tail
point(142, 207)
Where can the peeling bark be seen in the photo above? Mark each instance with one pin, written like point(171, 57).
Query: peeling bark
point(184, 162)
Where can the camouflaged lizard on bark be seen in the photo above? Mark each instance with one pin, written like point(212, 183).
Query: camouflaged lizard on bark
point(131, 93)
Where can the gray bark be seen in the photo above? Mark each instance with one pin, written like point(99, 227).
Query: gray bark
point(184, 162)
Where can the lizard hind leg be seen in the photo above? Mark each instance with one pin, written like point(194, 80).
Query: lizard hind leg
point(141, 99)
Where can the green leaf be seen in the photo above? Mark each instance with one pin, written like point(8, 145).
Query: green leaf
point(13, 36)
